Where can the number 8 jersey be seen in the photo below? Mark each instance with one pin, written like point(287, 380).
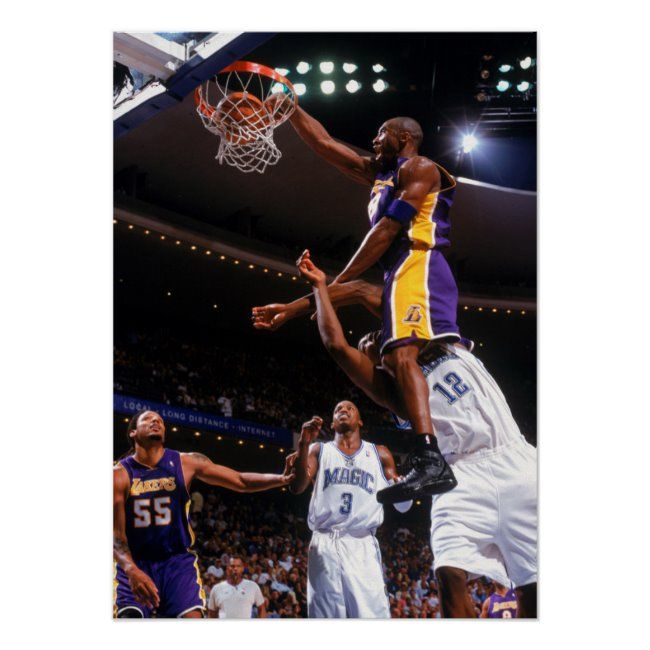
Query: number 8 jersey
point(344, 497)
point(157, 508)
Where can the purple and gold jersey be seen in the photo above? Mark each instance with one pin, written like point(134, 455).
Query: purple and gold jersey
point(157, 507)
point(429, 228)
point(502, 606)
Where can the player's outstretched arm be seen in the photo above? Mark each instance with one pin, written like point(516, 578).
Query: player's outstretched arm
point(342, 157)
point(356, 365)
point(143, 588)
point(358, 292)
point(196, 465)
point(417, 177)
point(305, 463)
point(374, 245)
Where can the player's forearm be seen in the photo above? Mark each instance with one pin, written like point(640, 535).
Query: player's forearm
point(329, 326)
point(376, 243)
point(310, 130)
point(355, 292)
point(301, 470)
point(252, 482)
point(122, 554)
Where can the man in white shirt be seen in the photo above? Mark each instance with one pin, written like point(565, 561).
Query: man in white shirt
point(235, 596)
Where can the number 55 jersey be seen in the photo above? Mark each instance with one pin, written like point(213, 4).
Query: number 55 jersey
point(160, 538)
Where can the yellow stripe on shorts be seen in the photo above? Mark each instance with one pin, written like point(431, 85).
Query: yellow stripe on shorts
point(410, 298)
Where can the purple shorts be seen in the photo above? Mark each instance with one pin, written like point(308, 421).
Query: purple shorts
point(419, 300)
point(179, 586)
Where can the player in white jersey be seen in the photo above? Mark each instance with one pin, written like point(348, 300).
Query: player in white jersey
point(344, 573)
point(488, 524)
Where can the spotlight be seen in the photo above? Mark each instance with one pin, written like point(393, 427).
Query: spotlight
point(300, 89)
point(303, 67)
point(326, 67)
point(327, 87)
point(379, 86)
point(526, 63)
point(506, 67)
point(283, 71)
point(378, 67)
point(503, 85)
point(278, 88)
point(352, 86)
point(349, 67)
point(523, 86)
point(469, 142)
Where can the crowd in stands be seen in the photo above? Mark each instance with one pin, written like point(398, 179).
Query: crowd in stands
point(270, 533)
point(260, 387)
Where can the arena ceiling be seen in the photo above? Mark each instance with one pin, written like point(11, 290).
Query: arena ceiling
point(169, 162)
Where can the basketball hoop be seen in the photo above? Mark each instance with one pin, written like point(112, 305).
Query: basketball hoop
point(243, 104)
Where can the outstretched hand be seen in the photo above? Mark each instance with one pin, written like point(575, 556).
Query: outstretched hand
point(270, 317)
point(309, 270)
point(310, 430)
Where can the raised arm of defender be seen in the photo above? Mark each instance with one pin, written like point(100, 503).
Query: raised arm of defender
point(356, 365)
point(342, 157)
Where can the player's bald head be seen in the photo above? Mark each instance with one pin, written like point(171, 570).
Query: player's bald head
point(410, 126)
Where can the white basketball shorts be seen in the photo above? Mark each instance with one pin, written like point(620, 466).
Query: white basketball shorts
point(345, 577)
point(487, 525)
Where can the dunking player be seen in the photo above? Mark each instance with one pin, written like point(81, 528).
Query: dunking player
point(409, 215)
point(344, 574)
point(500, 604)
point(488, 524)
point(155, 568)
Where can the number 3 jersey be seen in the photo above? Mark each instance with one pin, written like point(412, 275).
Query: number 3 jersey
point(344, 497)
point(468, 409)
point(157, 508)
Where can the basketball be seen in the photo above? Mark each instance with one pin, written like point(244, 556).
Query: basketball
point(244, 115)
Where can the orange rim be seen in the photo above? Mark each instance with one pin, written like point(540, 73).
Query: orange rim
point(242, 66)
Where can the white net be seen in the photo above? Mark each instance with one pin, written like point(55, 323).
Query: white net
point(243, 105)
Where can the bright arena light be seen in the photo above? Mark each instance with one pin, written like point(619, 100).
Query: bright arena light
point(283, 71)
point(349, 67)
point(526, 63)
point(503, 85)
point(378, 67)
point(469, 142)
point(300, 89)
point(326, 67)
point(506, 67)
point(303, 67)
point(327, 87)
point(523, 86)
point(379, 86)
point(352, 86)
point(277, 88)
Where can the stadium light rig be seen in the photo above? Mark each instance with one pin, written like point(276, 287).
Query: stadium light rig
point(303, 67)
point(469, 142)
point(526, 63)
point(300, 89)
point(349, 67)
point(379, 86)
point(326, 67)
point(328, 87)
point(503, 85)
point(378, 67)
point(523, 86)
point(352, 86)
point(283, 71)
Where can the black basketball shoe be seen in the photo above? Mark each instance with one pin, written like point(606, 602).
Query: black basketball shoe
point(429, 474)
